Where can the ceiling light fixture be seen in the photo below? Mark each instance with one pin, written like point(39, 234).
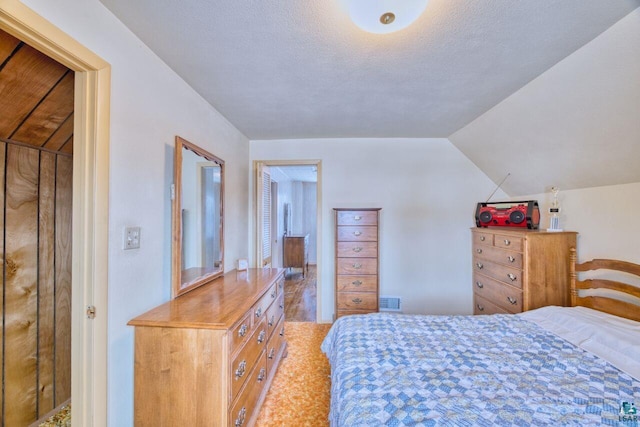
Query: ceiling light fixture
point(384, 16)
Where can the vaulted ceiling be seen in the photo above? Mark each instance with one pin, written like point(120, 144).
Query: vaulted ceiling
point(36, 97)
point(292, 69)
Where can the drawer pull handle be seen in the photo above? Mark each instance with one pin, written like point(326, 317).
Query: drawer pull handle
point(259, 312)
point(241, 415)
point(282, 332)
point(282, 305)
point(357, 249)
point(507, 242)
point(481, 308)
point(281, 284)
point(512, 300)
point(243, 330)
point(357, 266)
point(512, 277)
point(480, 285)
point(241, 368)
point(479, 265)
point(357, 218)
point(273, 294)
point(272, 320)
point(262, 375)
point(482, 238)
point(479, 250)
point(261, 337)
point(511, 259)
point(356, 283)
point(357, 233)
point(272, 353)
point(357, 300)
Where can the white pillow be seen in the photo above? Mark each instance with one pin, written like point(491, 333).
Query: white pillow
point(615, 339)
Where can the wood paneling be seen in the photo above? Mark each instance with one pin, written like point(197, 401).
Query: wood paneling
point(49, 114)
point(46, 284)
point(61, 135)
point(36, 280)
point(36, 143)
point(3, 148)
point(27, 78)
point(8, 44)
point(64, 174)
point(21, 276)
point(36, 96)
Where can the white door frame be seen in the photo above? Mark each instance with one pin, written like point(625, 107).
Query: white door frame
point(257, 215)
point(90, 205)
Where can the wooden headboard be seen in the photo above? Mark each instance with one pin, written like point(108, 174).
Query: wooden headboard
point(603, 302)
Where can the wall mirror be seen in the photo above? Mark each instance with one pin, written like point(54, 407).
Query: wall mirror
point(198, 231)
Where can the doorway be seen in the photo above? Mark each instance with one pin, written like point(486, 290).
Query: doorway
point(288, 217)
point(90, 204)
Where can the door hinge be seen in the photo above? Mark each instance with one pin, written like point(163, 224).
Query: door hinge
point(91, 312)
point(173, 191)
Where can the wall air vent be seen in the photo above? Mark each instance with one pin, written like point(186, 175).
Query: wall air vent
point(390, 303)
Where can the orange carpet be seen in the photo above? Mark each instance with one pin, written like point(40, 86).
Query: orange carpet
point(300, 392)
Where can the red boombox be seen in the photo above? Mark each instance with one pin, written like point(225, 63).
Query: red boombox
point(508, 214)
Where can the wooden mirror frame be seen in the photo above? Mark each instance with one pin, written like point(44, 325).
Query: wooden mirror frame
point(179, 285)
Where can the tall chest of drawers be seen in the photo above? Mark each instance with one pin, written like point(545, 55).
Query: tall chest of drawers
point(357, 263)
point(208, 357)
point(519, 270)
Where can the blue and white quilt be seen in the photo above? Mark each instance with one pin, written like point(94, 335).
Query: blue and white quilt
point(407, 370)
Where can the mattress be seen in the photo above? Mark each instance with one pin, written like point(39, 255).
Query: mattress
point(407, 370)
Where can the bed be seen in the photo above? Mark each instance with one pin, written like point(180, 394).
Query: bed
point(575, 365)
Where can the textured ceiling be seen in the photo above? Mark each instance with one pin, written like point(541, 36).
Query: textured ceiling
point(300, 69)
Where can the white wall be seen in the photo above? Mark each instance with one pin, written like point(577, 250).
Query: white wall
point(574, 126)
point(427, 191)
point(606, 219)
point(309, 217)
point(149, 106)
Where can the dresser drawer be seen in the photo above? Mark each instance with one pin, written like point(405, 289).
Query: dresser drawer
point(506, 296)
point(242, 410)
point(357, 218)
point(341, 313)
point(482, 306)
point(274, 313)
point(483, 238)
point(512, 276)
point(261, 307)
point(357, 249)
point(357, 301)
point(241, 332)
point(507, 242)
point(357, 283)
point(498, 255)
point(275, 346)
point(367, 233)
point(243, 363)
point(357, 266)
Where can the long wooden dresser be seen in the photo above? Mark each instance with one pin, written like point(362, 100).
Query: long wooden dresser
point(207, 358)
point(356, 260)
point(519, 270)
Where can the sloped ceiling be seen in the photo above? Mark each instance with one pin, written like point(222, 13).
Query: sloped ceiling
point(300, 69)
point(575, 126)
point(36, 97)
point(547, 90)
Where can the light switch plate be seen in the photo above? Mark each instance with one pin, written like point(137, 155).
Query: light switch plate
point(131, 238)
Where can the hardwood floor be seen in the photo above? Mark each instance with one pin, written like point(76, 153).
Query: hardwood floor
point(300, 295)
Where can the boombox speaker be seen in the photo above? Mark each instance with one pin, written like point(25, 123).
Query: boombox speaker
point(524, 214)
